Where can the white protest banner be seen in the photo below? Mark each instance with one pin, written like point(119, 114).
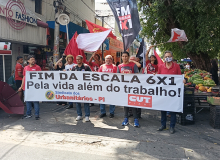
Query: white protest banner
point(157, 92)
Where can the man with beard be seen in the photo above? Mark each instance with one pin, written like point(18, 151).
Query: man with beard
point(80, 66)
point(31, 67)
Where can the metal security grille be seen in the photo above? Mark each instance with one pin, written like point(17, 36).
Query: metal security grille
point(8, 68)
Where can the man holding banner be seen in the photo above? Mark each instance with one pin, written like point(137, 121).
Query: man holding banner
point(168, 68)
point(128, 68)
point(109, 68)
point(68, 67)
point(81, 67)
point(31, 67)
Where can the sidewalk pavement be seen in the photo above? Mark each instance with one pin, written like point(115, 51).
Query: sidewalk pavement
point(58, 136)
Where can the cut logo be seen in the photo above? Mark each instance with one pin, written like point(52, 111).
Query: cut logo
point(140, 100)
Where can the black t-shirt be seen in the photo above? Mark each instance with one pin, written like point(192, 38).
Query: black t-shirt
point(60, 69)
point(84, 67)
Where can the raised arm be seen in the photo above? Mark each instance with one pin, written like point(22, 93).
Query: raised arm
point(137, 63)
point(90, 60)
point(55, 67)
point(147, 53)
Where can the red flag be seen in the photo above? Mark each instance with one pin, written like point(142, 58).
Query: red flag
point(178, 35)
point(93, 28)
point(175, 37)
point(72, 49)
point(158, 58)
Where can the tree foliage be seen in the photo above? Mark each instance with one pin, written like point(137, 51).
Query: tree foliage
point(200, 19)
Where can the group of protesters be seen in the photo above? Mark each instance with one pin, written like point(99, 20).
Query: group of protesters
point(129, 65)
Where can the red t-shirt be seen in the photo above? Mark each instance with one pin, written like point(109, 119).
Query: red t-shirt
point(108, 68)
point(128, 68)
point(150, 68)
point(174, 69)
point(28, 68)
point(94, 66)
point(18, 68)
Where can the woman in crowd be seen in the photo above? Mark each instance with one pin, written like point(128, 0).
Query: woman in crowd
point(151, 64)
point(97, 62)
point(60, 67)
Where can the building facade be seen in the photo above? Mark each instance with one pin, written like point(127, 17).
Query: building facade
point(29, 25)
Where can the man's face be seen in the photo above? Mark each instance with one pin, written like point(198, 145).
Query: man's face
point(32, 61)
point(108, 60)
point(70, 60)
point(125, 58)
point(78, 60)
point(20, 61)
point(168, 55)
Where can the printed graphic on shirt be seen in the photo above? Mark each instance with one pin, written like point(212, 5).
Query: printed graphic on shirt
point(106, 69)
point(95, 68)
point(126, 69)
point(149, 69)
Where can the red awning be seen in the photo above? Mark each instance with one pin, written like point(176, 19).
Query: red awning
point(5, 52)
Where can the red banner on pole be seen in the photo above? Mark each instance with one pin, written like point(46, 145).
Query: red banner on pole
point(93, 28)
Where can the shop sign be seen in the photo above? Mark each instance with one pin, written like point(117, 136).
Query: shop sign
point(17, 19)
point(116, 43)
point(5, 48)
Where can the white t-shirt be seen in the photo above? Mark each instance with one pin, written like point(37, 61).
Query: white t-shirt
point(187, 66)
point(69, 67)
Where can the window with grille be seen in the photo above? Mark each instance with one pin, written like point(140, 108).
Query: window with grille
point(38, 6)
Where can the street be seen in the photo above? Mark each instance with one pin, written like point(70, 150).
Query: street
point(58, 136)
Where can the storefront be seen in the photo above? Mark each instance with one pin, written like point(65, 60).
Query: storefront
point(112, 47)
point(20, 28)
point(72, 28)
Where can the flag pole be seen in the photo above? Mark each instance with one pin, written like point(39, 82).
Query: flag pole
point(160, 43)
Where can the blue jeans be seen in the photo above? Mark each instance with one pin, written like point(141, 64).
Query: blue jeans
point(86, 108)
point(164, 118)
point(29, 107)
point(111, 109)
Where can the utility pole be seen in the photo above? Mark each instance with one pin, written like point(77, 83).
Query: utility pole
point(102, 17)
point(56, 48)
point(102, 43)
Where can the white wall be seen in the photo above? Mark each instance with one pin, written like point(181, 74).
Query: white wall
point(77, 9)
